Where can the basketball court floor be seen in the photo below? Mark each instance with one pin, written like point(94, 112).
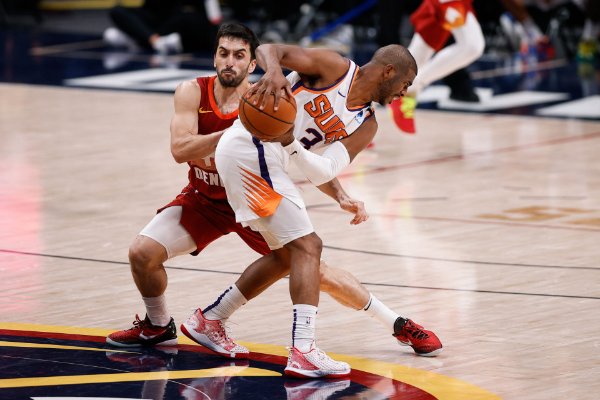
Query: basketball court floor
point(484, 227)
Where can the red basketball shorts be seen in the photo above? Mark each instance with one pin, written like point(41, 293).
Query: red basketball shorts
point(207, 220)
point(435, 19)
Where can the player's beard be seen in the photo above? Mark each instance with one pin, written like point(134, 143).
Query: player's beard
point(385, 93)
point(232, 80)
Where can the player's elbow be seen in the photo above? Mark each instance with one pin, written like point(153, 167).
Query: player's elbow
point(178, 154)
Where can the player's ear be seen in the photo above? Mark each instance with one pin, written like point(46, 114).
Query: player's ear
point(252, 66)
point(388, 72)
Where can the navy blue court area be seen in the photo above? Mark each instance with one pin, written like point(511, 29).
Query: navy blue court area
point(519, 83)
point(36, 365)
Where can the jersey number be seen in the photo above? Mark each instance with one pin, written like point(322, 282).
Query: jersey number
point(310, 142)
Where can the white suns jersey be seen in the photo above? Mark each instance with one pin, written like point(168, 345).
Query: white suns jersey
point(322, 115)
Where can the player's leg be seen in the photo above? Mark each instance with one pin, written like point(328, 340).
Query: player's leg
point(290, 228)
point(338, 283)
point(208, 326)
point(468, 47)
point(348, 291)
point(161, 239)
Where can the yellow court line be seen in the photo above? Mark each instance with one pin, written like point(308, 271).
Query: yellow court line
point(134, 376)
point(441, 386)
point(57, 346)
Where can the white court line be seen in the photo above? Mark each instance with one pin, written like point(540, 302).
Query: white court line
point(588, 107)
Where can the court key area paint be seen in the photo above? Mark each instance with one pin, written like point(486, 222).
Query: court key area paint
point(54, 362)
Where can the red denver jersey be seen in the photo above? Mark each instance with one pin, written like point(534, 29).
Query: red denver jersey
point(203, 174)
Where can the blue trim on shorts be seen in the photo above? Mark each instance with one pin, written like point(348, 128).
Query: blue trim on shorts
point(264, 170)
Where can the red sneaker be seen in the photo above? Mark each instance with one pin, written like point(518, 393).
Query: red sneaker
point(314, 364)
point(213, 335)
point(424, 343)
point(403, 111)
point(143, 333)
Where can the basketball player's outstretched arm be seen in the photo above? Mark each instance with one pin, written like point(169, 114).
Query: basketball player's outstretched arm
point(320, 65)
point(186, 144)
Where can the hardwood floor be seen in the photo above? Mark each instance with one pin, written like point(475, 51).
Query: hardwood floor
point(484, 228)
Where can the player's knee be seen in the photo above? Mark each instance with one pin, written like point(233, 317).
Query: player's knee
point(310, 245)
point(474, 48)
point(141, 256)
point(315, 245)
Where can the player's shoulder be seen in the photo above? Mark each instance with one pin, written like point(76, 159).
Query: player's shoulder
point(188, 93)
point(187, 86)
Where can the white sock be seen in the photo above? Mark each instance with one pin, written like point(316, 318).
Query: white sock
point(156, 309)
point(303, 330)
point(226, 304)
point(376, 309)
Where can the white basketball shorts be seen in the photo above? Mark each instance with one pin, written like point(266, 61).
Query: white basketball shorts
point(258, 187)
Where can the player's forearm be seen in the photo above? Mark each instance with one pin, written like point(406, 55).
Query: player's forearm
point(194, 147)
point(333, 189)
point(319, 169)
point(268, 56)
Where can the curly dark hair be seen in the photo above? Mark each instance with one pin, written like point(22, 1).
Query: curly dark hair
point(239, 31)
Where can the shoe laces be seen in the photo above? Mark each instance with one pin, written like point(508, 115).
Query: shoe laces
point(138, 323)
point(415, 331)
point(225, 332)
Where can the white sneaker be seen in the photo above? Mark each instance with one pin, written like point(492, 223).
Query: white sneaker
point(212, 335)
point(168, 44)
point(314, 364)
point(117, 38)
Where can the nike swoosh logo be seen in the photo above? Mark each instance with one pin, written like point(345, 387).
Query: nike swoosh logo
point(340, 93)
point(203, 111)
point(294, 152)
point(147, 337)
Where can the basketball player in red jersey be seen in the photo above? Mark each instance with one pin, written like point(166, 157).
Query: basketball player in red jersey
point(201, 214)
point(434, 21)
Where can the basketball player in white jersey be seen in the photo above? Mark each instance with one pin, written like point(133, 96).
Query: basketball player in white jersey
point(334, 109)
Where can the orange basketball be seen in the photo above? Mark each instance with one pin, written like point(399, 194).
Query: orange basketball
point(267, 123)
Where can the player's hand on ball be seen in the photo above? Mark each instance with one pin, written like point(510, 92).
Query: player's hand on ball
point(271, 83)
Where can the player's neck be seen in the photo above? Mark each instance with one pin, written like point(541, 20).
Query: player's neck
point(228, 98)
point(360, 92)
